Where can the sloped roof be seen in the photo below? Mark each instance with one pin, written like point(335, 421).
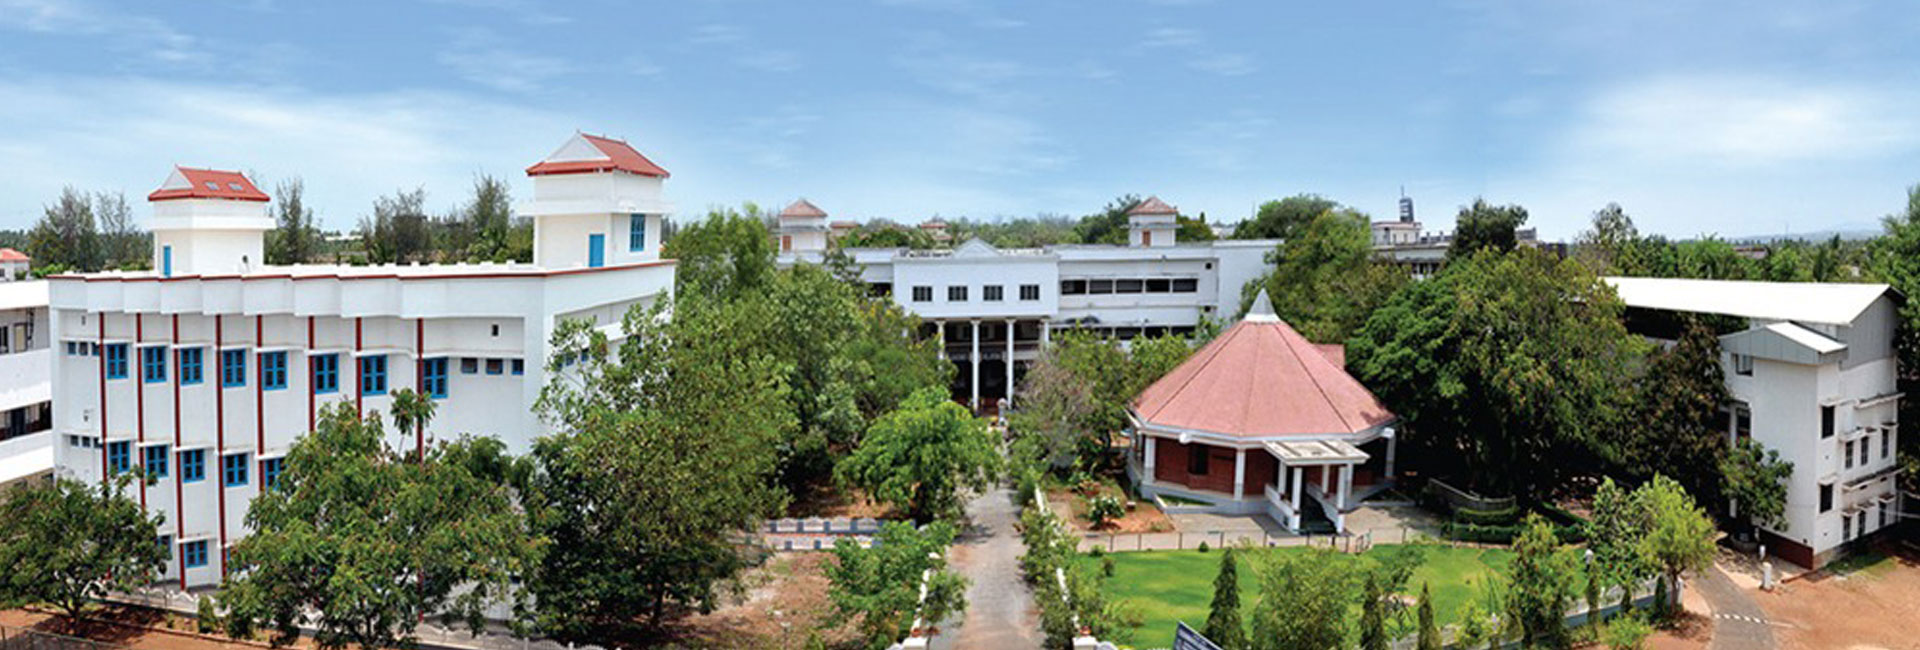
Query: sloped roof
point(1153, 205)
point(802, 209)
point(1784, 341)
point(1807, 302)
point(591, 153)
point(190, 183)
point(11, 255)
point(1260, 378)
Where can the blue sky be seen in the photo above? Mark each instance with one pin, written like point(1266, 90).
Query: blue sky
point(1735, 118)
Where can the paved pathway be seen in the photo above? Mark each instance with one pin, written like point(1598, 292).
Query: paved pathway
point(1000, 613)
point(1738, 622)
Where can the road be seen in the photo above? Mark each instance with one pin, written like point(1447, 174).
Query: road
point(1738, 622)
point(1000, 613)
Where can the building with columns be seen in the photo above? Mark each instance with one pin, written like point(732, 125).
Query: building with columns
point(994, 308)
point(1262, 421)
point(205, 370)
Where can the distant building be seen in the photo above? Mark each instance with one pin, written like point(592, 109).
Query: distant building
point(803, 226)
point(1813, 376)
point(936, 229)
point(14, 265)
point(26, 393)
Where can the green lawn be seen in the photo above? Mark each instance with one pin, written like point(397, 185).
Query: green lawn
point(1169, 586)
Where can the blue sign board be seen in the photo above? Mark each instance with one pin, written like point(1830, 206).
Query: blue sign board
point(1184, 638)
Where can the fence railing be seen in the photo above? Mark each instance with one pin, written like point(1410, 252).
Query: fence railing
point(1462, 499)
point(19, 638)
point(1356, 541)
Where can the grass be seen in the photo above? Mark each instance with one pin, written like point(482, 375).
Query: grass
point(1169, 586)
point(1863, 563)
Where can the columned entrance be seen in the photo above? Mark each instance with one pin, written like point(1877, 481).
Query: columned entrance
point(990, 355)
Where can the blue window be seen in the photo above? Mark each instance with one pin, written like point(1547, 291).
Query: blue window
point(596, 250)
point(154, 458)
point(326, 373)
point(153, 365)
point(191, 366)
point(433, 373)
point(519, 366)
point(193, 465)
point(496, 366)
point(71, 348)
point(273, 370)
point(120, 455)
point(233, 368)
point(166, 261)
point(233, 470)
point(637, 232)
point(270, 470)
point(469, 365)
point(116, 361)
point(166, 546)
point(373, 375)
point(194, 554)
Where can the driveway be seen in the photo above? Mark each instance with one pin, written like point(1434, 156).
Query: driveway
point(1000, 613)
point(1738, 622)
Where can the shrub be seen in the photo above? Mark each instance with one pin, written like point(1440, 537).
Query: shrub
point(1501, 517)
point(1626, 633)
point(205, 619)
point(1104, 508)
point(1106, 566)
point(1203, 547)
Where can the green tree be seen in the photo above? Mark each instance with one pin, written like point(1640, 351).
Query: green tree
point(1223, 617)
point(488, 215)
point(1193, 229)
point(1610, 246)
point(665, 452)
point(67, 544)
point(1615, 536)
point(1894, 258)
point(1626, 633)
point(1057, 406)
point(1304, 600)
point(1109, 225)
point(295, 238)
point(1373, 617)
point(122, 242)
point(1484, 226)
point(66, 235)
point(1680, 430)
point(723, 256)
point(921, 455)
point(1286, 218)
point(362, 544)
point(397, 232)
point(1679, 536)
point(1541, 585)
point(1326, 280)
point(1755, 479)
point(880, 583)
point(886, 234)
point(1429, 638)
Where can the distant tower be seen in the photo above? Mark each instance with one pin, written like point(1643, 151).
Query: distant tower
point(803, 228)
point(596, 201)
point(1406, 207)
point(1152, 223)
point(208, 222)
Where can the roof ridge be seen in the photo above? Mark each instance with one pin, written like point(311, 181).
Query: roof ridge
point(1313, 377)
point(1216, 345)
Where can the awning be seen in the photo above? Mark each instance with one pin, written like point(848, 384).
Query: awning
point(1316, 452)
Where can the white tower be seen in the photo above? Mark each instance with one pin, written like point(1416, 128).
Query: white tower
point(208, 222)
point(803, 228)
point(1152, 223)
point(596, 202)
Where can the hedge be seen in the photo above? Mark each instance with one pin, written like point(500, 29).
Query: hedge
point(1504, 534)
point(1501, 517)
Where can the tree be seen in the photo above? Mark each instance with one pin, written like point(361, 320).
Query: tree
point(1610, 244)
point(1429, 638)
point(1484, 226)
point(1325, 280)
point(665, 452)
point(1109, 225)
point(396, 232)
point(1615, 536)
point(122, 243)
point(66, 236)
point(1541, 585)
point(1755, 480)
point(1680, 430)
point(295, 238)
point(1894, 258)
point(1056, 405)
point(723, 256)
point(67, 544)
point(1193, 229)
point(1373, 620)
point(1626, 633)
point(1083, 384)
point(362, 544)
point(1679, 536)
point(488, 216)
point(1223, 615)
point(411, 412)
point(881, 583)
point(1286, 218)
point(921, 455)
point(886, 234)
point(1303, 601)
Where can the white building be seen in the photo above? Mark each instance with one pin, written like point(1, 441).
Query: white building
point(205, 370)
point(994, 307)
point(26, 393)
point(14, 265)
point(1812, 376)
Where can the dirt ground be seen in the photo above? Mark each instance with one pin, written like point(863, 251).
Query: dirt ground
point(1870, 607)
point(829, 502)
point(785, 600)
point(1144, 518)
point(133, 629)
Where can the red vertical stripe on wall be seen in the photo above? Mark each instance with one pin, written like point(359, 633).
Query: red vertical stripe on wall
point(179, 508)
point(260, 396)
point(139, 396)
point(311, 370)
point(101, 320)
point(220, 439)
point(357, 409)
point(420, 384)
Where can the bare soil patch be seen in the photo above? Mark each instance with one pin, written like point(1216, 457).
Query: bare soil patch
point(1144, 517)
point(1869, 605)
point(784, 601)
point(136, 627)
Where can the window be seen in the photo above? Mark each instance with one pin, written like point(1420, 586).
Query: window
point(1826, 498)
point(1886, 444)
point(373, 375)
point(496, 366)
point(1846, 527)
point(191, 366)
point(235, 187)
point(1073, 287)
point(433, 374)
point(957, 293)
point(233, 470)
point(116, 361)
point(636, 232)
point(1866, 451)
point(469, 366)
point(213, 186)
point(993, 293)
point(923, 294)
point(193, 465)
point(326, 373)
point(120, 455)
point(273, 370)
point(1128, 286)
point(270, 469)
point(166, 546)
point(1827, 425)
point(154, 459)
point(1186, 285)
point(153, 365)
point(233, 368)
point(1743, 365)
point(194, 554)
point(1849, 454)
point(1099, 287)
point(1159, 285)
point(72, 348)
point(1742, 422)
point(1029, 292)
point(1197, 460)
point(519, 366)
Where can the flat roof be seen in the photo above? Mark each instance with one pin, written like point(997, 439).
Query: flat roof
point(368, 272)
point(24, 294)
point(1808, 302)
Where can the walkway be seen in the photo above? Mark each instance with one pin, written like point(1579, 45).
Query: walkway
point(1000, 612)
point(1738, 622)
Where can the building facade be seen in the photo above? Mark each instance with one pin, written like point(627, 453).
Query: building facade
point(994, 308)
point(204, 371)
point(26, 390)
point(1813, 376)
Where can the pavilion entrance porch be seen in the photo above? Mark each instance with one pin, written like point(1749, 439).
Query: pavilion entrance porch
point(1276, 478)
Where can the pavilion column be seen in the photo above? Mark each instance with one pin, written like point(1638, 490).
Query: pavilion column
point(1393, 443)
point(1007, 402)
point(1046, 332)
point(941, 327)
point(1149, 459)
point(973, 362)
point(1239, 473)
point(1326, 481)
point(1346, 486)
point(1294, 495)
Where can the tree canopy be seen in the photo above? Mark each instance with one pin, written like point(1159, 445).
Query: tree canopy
point(880, 584)
point(1285, 218)
point(1326, 281)
point(922, 455)
point(1484, 226)
point(295, 239)
point(67, 544)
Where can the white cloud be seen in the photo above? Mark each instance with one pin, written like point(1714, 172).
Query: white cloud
point(124, 30)
point(1171, 37)
point(1228, 65)
point(714, 34)
point(1743, 121)
point(480, 56)
point(526, 11)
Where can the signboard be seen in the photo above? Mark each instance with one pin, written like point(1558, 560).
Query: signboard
point(1184, 638)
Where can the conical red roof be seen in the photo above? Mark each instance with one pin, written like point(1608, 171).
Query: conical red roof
point(1257, 379)
point(801, 209)
point(1153, 205)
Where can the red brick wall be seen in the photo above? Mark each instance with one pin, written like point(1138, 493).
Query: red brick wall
point(1170, 465)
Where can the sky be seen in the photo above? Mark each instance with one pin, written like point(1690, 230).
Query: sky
point(1729, 118)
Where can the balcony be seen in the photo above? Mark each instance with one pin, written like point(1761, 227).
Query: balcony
point(27, 378)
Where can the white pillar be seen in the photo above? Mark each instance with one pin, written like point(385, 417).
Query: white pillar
point(1294, 496)
point(1149, 459)
point(1046, 332)
point(1326, 481)
point(973, 360)
point(941, 327)
point(1393, 443)
point(1008, 402)
point(1346, 487)
point(1239, 473)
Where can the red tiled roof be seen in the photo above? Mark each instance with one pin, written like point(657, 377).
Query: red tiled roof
point(619, 156)
point(803, 209)
point(1153, 205)
point(1260, 378)
point(11, 255)
point(190, 183)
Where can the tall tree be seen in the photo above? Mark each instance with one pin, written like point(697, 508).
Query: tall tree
point(1680, 430)
point(1429, 634)
point(881, 583)
point(1304, 601)
point(1325, 280)
point(727, 254)
point(1373, 618)
point(66, 237)
point(1055, 407)
point(488, 215)
point(295, 238)
point(122, 242)
point(1610, 245)
point(1484, 226)
point(1679, 536)
point(1224, 628)
point(1755, 480)
point(1109, 225)
point(1285, 218)
point(1541, 585)
point(397, 232)
point(1615, 536)
point(921, 455)
point(1895, 260)
point(68, 544)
